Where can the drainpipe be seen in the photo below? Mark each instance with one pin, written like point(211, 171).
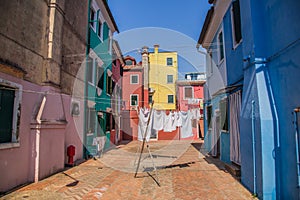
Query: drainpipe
point(37, 140)
point(276, 151)
point(295, 112)
point(253, 147)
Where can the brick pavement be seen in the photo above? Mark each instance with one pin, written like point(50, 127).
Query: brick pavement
point(184, 172)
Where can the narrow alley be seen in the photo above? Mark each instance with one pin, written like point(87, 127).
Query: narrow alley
point(191, 175)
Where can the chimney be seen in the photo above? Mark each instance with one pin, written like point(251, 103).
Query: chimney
point(145, 65)
point(156, 46)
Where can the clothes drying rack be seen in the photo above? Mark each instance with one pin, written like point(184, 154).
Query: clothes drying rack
point(141, 149)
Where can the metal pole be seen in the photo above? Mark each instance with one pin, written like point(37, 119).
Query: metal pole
point(253, 147)
point(144, 140)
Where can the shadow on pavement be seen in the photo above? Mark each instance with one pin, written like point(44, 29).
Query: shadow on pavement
point(74, 183)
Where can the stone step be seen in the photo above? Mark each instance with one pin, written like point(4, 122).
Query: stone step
point(233, 169)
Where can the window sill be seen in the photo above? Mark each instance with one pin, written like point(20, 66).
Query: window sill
point(235, 46)
point(9, 145)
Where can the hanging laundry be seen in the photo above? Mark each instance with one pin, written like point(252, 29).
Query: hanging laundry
point(168, 123)
point(173, 121)
point(186, 128)
point(158, 120)
point(143, 121)
point(178, 120)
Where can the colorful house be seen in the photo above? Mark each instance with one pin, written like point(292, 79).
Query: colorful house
point(262, 71)
point(39, 64)
point(190, 96)
point(116, 98)
point(134, 97)
point(99, 84)
point(163, 72)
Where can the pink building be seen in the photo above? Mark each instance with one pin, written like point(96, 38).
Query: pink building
point(190, 96)
point(133, 97)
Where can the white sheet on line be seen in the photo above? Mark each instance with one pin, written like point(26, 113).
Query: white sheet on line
point(186, 128)
point(158, 120)
point(142, 126)
point(168, 123)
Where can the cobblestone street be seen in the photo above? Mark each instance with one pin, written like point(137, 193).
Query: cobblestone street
point(184, 172)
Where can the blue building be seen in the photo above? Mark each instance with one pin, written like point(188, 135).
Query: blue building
point(253, 46)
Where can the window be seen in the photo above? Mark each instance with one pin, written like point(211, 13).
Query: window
point(10, 101)
point(100, 78)
point(7, 96)
point(150, 99)
point(169, 78)
point(171, 98)
point(169, 61)
point(93, 17)
point(236, 23)
point(100, 29)
point(209, 63)
point(221, 46)
point(224, 118)
point(91, 120)
point(209, 116)
point(188, 93)
point(134, 100)
point(90, 69)
point(128, 62)
point(134, 79)
point(109, 85)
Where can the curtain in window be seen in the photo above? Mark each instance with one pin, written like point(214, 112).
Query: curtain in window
point(235, 110)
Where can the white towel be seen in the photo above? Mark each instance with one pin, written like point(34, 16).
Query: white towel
point(186, 128)
point(168, 123)
point(143, 120)
point(178, 119)
point(158, 120)
point(173, 121)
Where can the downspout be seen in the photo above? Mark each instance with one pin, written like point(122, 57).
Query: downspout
point(297, 138)
point(253, 147)
point(85, 80)
point(37, 140)
point(276, 151)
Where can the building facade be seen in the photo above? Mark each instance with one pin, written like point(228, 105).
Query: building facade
point(261, 75)
point(42, 51)
point(48, 64)
point(100, 83)
point(190, 96)
point(163, 72)
point(133, 97)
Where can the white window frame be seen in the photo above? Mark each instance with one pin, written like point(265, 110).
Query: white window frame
point(137, 103)
point(132, 75)
point(172, 78)
point(167, 61)
point(110, 38)
point(173, 98)
point(235, 44)
point(96, 8)
point(219, 50)
point(100, 63)
point(16, 113)
point(209, 58)
point(184, 97)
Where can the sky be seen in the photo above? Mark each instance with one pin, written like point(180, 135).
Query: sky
point(173, 24)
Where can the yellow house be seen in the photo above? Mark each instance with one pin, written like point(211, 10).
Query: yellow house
point(163, 72)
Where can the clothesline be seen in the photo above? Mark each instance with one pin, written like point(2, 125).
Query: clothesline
point(167, 122)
